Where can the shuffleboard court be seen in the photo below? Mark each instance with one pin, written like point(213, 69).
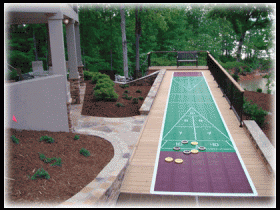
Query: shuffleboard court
point(196, 153)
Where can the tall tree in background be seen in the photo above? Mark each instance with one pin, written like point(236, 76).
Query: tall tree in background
point(124, 43)
point(243, 19)
point(137, 37)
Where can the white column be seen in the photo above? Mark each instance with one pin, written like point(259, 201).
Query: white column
point(57, 45)
point(78, 44)
point(71, 48)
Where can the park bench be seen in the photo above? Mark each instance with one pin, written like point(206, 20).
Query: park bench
point(190, 56)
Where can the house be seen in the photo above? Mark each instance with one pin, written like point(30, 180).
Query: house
point(44, 103)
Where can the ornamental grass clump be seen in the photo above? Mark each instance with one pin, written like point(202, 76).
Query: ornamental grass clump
point(40, 173)
point(84, 152)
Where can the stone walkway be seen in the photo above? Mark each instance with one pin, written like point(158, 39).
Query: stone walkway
point(127, 129)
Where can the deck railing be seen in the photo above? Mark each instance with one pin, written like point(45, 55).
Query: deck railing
point(232, 91)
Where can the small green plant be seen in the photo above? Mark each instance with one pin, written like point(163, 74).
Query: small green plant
point(259, 90)
point(135, 100)
point(48, 160)
point(84, 152)
point(48, 139)
point(138, 91)
point(40, 173)
point(76, 137)
point(14, 139)
point(42, 156)
point(119, 104)
point(126, 91)
point(125, 96)
point(141, 98)
point(124, 86)
point(57, 162)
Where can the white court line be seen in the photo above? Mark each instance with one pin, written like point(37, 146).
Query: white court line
point(194, 129)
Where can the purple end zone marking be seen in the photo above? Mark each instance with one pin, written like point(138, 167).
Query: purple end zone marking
point(208, 172)
point(187, 74)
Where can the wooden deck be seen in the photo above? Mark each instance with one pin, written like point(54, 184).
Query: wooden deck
point(139, 173)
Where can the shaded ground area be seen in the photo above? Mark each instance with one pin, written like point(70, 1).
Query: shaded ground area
point(75, 172)
point(92, 107)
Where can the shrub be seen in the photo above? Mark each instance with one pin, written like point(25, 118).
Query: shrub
point(102, 85)
point(48, 160)
point(106, 81)
point(88, 75)
point(76, 137)
point(84, 152)
point(125, 96)
point(135, 100)
point(124, 86)
point(40, 173)
point(42, 156)
point(119, 104)
point(138, 91)
point(259, 90)
point(235, 77)
point(108, 94)
point(256, 113)
point(141, 98)
point(247, 69)
point(97, 76)
point(47, 139)
point(14, 139)
point(126, 91)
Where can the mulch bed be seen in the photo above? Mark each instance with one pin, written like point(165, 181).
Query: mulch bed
point(66, 180)
point(92, 107)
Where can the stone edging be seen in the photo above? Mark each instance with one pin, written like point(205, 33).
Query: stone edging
point(262, 143)
point(105, 188)
point(146, 106)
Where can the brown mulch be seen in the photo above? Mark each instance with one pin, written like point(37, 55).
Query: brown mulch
point(66, 180)
point(92, 107)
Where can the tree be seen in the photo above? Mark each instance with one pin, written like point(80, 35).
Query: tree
point(137, 37)
point(243, 19)
point(124, 43)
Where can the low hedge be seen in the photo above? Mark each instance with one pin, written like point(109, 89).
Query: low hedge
point(107, 94)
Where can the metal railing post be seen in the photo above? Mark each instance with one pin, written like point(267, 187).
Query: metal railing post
point(241, 110)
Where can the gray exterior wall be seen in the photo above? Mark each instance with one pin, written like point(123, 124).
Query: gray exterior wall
point(37, 104)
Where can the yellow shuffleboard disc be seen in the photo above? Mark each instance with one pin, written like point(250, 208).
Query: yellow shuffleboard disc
point(194, 151)
point(168, 159)
point(194, 143)
point(178, 161)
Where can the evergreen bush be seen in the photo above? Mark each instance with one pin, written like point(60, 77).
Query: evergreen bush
point(107, 94)
point(84, 152)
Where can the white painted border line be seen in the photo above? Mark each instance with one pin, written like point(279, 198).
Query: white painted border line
point(159, 144)
point(194, 193)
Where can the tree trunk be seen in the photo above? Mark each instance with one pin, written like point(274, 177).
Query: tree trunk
point(124, 43)
point(240, 44)
point(137, 38)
